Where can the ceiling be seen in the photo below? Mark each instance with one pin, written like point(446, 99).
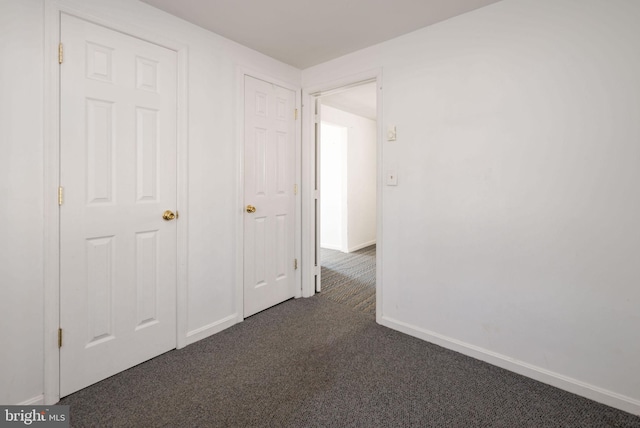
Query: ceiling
point(304, 33)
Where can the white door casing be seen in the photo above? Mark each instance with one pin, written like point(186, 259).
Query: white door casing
point(310, 233)
point(318, 189)
point(269, 179)
point(118, 170)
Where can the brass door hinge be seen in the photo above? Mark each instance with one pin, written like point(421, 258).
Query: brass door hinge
point(295, 189)
point(295, 264)
point(60, 195)
point(60, 53)
point(295, 114)
point(59, 338)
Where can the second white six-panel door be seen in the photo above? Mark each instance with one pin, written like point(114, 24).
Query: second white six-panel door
point(269, 198)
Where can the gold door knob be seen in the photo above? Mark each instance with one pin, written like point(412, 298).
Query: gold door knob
point(251, 209)
point(168, 215)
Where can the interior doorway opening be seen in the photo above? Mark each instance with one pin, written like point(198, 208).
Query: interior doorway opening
point(346, 212)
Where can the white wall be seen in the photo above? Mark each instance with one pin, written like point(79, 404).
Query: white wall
point(333, 187)
point(360, 177)
point(21, 193)
point(211, 213)
point(513, 233)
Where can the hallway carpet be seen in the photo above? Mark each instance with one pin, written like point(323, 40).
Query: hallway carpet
point(350, 278)
point(316, 363)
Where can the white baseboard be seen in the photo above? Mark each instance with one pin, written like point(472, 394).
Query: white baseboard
point(35, 401)
point(566, 383)
point(361, 246)
point(331, 247)
point(211, 329)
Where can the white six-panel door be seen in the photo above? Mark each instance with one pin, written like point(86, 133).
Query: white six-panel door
point(269, 165)
point(118, 172)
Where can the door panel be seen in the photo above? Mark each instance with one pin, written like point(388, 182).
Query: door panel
point(118, 170)
point(269, 186)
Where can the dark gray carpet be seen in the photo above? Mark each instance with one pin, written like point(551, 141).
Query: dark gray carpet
point(350, 278)
point(316, 363)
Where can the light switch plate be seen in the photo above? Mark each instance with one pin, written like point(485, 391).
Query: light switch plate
point(391, 133)
point(392, 178)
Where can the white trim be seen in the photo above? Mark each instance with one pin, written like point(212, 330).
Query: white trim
point(298, 196)
point(210, 329)
point(35, 401)
point(241, 72)
point(51, 211)
point(239, 218)
point(182, 244)
point(331, 247)
point(308, 193)
point(52, 24)
point(345, 83)
point(309, 96)
point(379, 205)
point(361, 246)
point(316, 208)
point(549, 377)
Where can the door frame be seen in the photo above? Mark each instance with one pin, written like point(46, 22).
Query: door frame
point(309, 96)
point(241, 72)
point(51, 137)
